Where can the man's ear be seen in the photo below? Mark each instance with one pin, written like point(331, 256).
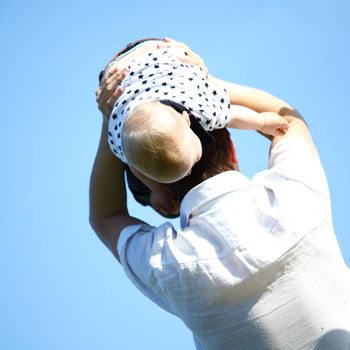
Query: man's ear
point(233, 154)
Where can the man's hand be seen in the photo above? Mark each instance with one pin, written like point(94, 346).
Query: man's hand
point(186, 55)
point(109, 91)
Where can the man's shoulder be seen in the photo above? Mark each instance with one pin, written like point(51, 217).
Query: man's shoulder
point(143, 234)
point(295, 145)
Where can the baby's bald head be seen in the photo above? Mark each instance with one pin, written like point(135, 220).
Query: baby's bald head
point(158, 142)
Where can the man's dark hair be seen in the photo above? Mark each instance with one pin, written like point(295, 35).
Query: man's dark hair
point(217, 157)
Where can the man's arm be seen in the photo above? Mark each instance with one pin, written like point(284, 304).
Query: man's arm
point(108, 210)
point(297, 128)
point(261, 101)
point(255, 99)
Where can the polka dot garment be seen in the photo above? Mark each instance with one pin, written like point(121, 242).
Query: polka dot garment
point(160, 75)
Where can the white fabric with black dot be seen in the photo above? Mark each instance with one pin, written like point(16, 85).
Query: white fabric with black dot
point(161, 75)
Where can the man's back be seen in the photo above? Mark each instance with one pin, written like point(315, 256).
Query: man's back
point(256, 264)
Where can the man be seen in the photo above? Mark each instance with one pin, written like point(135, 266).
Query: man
point(256, 264)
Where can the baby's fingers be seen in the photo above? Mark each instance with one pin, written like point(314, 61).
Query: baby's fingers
point(192, 58)
point(284, 125)
point(281, 128)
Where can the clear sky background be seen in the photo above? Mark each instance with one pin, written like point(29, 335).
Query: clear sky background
point(60, 288)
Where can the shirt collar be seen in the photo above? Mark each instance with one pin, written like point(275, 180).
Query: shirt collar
point(210, 189)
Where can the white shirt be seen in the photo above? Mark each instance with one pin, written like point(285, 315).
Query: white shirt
point(256, 264)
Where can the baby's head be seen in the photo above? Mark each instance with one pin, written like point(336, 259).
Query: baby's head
point(158, 141)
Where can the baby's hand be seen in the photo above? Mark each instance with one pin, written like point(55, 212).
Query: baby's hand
point(164, 203)
point(186, 55)
point(274, 124)
point(109, 91)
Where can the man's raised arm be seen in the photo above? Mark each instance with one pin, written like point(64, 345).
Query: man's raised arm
point(108, 209)
point(262, 101)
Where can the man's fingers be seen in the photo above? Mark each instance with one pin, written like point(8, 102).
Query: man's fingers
point(113, 99)
point(190, 57)
point(109, 85)
point(112, 71)
point(186, 55)
point(118, 92)
point(109, 91)
point(110, 103)
point(97, 92)
point(170, 42)
point(167, 39)
point(115, 79)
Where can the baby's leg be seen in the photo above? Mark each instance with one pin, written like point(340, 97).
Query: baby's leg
point(123, 59)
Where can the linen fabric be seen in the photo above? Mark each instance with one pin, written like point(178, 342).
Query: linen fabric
point(255, 264)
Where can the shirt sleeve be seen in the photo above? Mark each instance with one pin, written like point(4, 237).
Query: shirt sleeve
point(293, 159)
point(296, 186)
point(138, 249)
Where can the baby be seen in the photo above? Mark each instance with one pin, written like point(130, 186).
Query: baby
point(151, 124)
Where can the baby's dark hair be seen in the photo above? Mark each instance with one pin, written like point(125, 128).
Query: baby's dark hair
point(217, 157)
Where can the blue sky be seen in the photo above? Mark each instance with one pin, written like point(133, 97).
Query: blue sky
point(59, 287)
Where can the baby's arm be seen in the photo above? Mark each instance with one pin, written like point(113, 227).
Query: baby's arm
point(255, 99)
point(268, 123)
